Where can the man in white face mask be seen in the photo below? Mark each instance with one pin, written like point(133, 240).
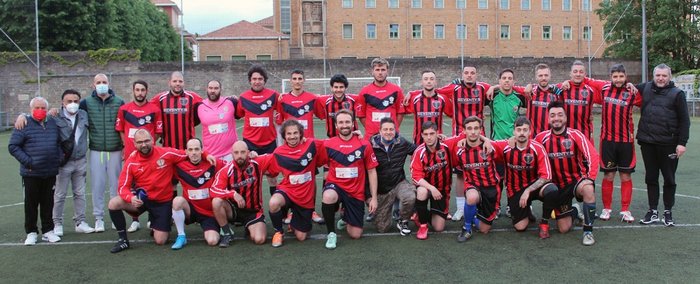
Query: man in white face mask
point(72, 123)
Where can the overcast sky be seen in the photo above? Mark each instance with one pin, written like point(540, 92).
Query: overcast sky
point(203, 16)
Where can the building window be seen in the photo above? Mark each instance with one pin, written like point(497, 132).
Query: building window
point(461, 31)
point(546, 32)
point(417, 31)
point(461, 4)
point(371, 31)
point(566, 5)
point(525, 32)
point(505, 31)
point(263, 57)
point(370, 3)
point(213, 57)
point(439, 31)
point(347, 31)
point(524, 4)
point(237, 57)
point(547, 5)
point(439, 4)
point(566, 33)
point(587, 33)
point(393, 4)
point(483, 4)
point(347, 3)
point(504, 4)
point(416, 3)
point(483, 31)
point(586, 5)
point(285, 16)
point(393, 30)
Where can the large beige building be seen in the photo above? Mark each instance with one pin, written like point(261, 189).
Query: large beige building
point(440, 28)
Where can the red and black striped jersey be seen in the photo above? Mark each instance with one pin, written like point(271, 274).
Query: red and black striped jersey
point(178, 113)
point(257, 110)
point(196, 181)
point(618, 103)
point(424, 109)
point(245, 180)
point(302, 108)
point(523, 166)
point(571, 155)
point(377, 103)
point(298, 167)
point(132, 117)
point(348, 162)
point(537, 107)
point(578, 104)
point(332, 106)
point(478, 166)
point(435, 167)
point(465, 101)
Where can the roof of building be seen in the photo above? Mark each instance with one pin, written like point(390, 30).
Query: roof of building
point(242, 30)
point(167, 3)
point(266, 22)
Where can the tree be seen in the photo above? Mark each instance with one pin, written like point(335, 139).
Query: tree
point(673, 31)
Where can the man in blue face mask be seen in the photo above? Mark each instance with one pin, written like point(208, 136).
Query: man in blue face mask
point(391, 151)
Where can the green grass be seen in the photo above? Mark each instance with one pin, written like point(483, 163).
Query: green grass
point(623, 252)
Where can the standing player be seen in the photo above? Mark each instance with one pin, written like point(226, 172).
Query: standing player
point(300, 105)
point(351, 161)
point(427, 105)
point(578, 100)
point(257, 107)
point(542, 94)
point(237, 192)
point(195, 204)
point(506, 106)
point(574, 164)
point(218, 122)
point(431, 171)
point(178, 107)
point(337, 101)
point(617, 138)
point(379, 99)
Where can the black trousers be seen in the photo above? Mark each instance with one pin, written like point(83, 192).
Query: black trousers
point(38, 200)
point(656, 158)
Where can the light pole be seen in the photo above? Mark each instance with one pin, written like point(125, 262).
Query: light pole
point(38, 59)
point(644, 42)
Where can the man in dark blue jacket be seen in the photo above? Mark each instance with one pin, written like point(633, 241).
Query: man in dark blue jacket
point(37, 148)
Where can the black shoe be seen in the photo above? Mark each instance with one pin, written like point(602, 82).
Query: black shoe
point(464, 236)
point(121, 245)
point(652, 216)
point(225, 241)
point(403, 227)
point(668, 218)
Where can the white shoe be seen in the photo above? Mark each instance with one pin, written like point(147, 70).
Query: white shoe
point(135, 226)
point(50, 237)
point(626, 216)
point(605, 214)
point(114, 227)
point(99, 226)
point(458, 215)
point(58, 230)
point(31, 239)
point(82, 227)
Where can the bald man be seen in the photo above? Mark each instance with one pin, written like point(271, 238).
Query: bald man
point(178, 107)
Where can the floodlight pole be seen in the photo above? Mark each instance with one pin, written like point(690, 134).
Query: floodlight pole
point(463, 31)
point(645, 62)
point(38, 59)
point(182, 39)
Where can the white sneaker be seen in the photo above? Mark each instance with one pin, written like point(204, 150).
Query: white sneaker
point(99, 226)
point(458, 215)
point(50, 237)
point(31, 239)
point(58, 230)
point(626, 216)
point(82, 227)
point(114, 227)
point(135, 226)
point(605, 214)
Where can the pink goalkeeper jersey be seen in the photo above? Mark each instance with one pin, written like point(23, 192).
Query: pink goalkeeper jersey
point(218, 126)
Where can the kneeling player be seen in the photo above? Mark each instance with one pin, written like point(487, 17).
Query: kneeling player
point(237, 191)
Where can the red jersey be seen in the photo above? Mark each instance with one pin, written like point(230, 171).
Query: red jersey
point(132, 117)
point(331, 106)
point(298, 168)
point(523, 166)
point(537, 107)
point(302, 108)
point(464, 101)
point(348, 162)
point(179, 113)
point(196, 181)
point(154, 173)
point(478, 166)
point(435, 167)
point(424, 109)
point(578, 104)
point(377, 103)
point(571, 155)
point(257, 110)
point(245, 180)
point(618, 103)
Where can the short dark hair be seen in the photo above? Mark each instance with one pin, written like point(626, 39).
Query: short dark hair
point(345, 111)
point(70, 92)
point(506, 71)
point(521, 120)
point(472, 119)
point(297, 71)
point(214, 80)
point(578, 63)
point(139, 82)
point(257, 68)
point(555, 104)
point(428, 125)
point(290, 123)
point(617, 68)
point(541, 66)
point(339, 78)
point(386, 119)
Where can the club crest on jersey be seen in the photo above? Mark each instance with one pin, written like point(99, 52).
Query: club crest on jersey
point(249, 170)
point(436, 104)
point(148, 119)
point(441, 154)
point(346, 105)
point(625, 95)
point(351, 158)
point(483, 155)
point(566, 143)
point(142, 121)
point(307, 108)
point(385, 103)
point(207, 174)
point(358, 154)
point(528, 158)
point(304, 162)
point(584, 93)
point(301, 111)
point(160, 162)
point(515, 108)
point(183, 101)
point(263, 107)
point(475, 93)
point(200, 180)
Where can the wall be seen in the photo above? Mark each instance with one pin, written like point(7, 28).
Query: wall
point(276, 48)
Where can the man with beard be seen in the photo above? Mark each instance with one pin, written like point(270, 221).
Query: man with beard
point(379, 99)
point(351, 161)
point(466, 97)
point(426, 105)
point(578, 100)
point(218, 122)
point(237, 192)
point(574, 164)
point(178, 107)
point(336, 101)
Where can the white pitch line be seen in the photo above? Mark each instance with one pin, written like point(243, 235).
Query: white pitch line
point(10, 205)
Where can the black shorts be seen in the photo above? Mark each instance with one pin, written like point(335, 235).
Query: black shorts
point(564, 197)
point(207, 223)
point(517, 213)
point(488, 203)
point(264, 149)
point(159, 213)
point(301, 218)
point(440, 207)
point(617, 156)
point(354, 209)
point(245, 217)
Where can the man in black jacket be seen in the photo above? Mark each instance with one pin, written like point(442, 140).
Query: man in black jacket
point(664, 127)
point(391, 151)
